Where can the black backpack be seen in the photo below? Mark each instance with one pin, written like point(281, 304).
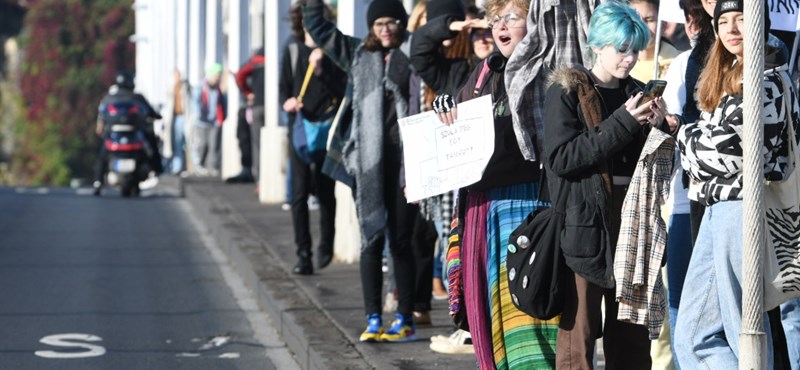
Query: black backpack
point(537, 271)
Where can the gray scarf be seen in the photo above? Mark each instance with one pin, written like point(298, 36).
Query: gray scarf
point(363, 152)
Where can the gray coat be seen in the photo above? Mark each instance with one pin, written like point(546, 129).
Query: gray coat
point(369, 78)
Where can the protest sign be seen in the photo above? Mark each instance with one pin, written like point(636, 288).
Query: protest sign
point(440, 158)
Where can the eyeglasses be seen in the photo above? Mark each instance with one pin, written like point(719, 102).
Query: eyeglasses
point(393, 24)
point(509, 19)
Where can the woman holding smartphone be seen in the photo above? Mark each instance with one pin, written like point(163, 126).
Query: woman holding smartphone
point(595, 165)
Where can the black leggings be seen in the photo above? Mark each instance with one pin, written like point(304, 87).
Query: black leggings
point(399, 228)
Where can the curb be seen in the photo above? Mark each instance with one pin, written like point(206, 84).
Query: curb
point(315, 341)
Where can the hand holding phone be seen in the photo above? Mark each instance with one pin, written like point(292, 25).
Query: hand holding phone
point(653, 89)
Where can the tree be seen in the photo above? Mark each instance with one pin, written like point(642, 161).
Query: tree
point(73, 48)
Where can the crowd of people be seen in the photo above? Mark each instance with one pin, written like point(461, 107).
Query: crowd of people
point(585, 133)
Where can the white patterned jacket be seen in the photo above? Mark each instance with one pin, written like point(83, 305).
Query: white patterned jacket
point(711, 148)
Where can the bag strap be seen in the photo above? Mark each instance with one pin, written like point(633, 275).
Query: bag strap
point(481, 78)
point(306, 80)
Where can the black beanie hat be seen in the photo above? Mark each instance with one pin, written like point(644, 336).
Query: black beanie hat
point(452, 8)
point(386, 8)
point(725, 6)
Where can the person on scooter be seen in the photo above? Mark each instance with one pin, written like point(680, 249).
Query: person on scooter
point(122, 91)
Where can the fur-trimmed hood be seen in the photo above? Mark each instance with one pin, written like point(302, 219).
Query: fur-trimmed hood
point(568, 79)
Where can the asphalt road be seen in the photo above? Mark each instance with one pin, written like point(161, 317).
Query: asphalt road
point(112, 283)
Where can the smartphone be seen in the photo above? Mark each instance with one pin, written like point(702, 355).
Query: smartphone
point(654, 89)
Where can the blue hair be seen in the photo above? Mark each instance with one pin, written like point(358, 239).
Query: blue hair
point(617, 24)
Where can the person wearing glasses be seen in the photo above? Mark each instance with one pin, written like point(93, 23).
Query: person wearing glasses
point(379, 70)
point(487, 212)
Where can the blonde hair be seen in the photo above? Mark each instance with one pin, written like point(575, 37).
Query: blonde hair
point(418, 17)
point(493, 7)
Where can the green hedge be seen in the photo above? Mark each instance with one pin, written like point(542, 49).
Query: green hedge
point(72, 50)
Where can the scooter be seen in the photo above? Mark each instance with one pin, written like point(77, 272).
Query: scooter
point(127, 151)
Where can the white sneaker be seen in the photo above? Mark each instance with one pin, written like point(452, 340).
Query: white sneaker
point(452, 337)
point(457, 343)
point(150, 183)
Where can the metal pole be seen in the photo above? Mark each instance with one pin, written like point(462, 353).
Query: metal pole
point(752, 339)
point(657, 51)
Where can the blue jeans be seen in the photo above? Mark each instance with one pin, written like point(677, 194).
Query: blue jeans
point(178, 143)
point(710, 314)
point(679, 252)
point(790, 318)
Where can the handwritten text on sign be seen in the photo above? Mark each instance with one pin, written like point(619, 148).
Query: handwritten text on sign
point(440, 158)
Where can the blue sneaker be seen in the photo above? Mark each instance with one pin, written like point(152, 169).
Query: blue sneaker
point(402, 330)
point(374, 329)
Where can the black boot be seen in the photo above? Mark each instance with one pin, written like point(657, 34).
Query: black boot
point(243, 177)
point(303, 266)
point(324, 256)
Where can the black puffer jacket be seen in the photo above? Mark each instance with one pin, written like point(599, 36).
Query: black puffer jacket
point(572, 155)
point(444, 76)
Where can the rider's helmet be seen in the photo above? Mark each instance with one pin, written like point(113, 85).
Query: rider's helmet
point(124, 80)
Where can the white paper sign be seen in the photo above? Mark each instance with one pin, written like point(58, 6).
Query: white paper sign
point(670, 11)
point(783, 14)
point(441, 158)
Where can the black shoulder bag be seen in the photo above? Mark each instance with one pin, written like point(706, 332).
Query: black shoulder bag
point(535, 264)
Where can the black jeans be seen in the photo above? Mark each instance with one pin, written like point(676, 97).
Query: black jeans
point(101, 163)
point(255, 138)
point(424, 246)
point(308, 179)
point(243, 134)
point(400, 226)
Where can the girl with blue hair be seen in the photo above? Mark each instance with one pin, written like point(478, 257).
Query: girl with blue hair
point(593, 134)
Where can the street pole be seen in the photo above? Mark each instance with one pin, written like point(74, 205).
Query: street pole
point(753, 339)
point(274, 138)
point(238, 49)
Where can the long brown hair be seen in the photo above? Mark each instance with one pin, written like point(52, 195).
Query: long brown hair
point(720, 76)
point(373, 43)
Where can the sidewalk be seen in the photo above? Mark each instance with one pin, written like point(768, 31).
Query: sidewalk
point(320, 316)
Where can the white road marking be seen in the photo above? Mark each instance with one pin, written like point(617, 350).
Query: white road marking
point(39, 191)
point(67, 340)
point(215, 342)
point(263, 330)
